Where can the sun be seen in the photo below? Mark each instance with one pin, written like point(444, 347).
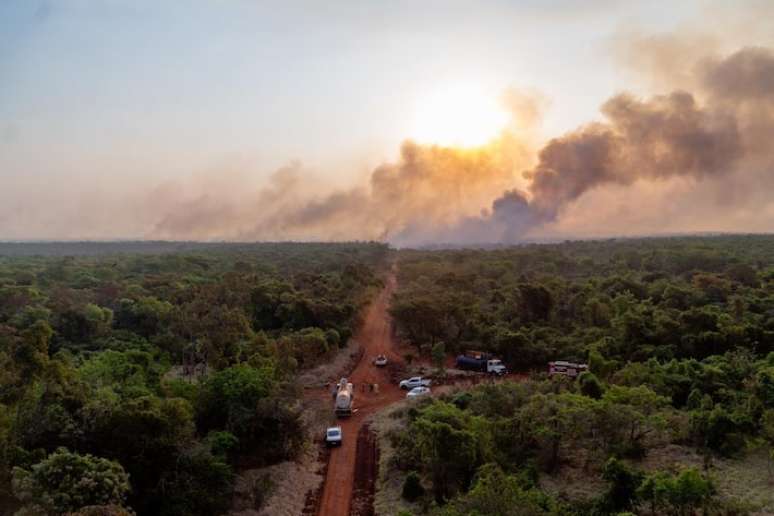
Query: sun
point(458, 115)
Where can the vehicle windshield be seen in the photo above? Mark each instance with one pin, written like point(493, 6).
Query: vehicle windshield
point(333, 433)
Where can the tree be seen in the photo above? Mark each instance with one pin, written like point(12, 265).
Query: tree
point(447, 446)
point(200, 484)
point(412, 487)
point(145, 434)
point(601, 367)
point(146, 315)
point(131, 373)
point(31, 350)
point(229, 398)
point(535, 302)
point(439, 356)
point(494, 492)
point(631, 414)
point(590, 385)
point(764, 386)
point(553, 419)
point(679, 495)
point(767, 432)
point(67, 481)
point(621, 494)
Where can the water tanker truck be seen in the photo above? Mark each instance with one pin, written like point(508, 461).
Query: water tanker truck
point(478, 361)
point(345, 395)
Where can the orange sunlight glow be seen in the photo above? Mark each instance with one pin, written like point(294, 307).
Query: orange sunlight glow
point(458, 115)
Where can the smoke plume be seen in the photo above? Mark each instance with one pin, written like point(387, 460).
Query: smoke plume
point(430, 193)
point(724, 137)
point(718, 134)
point(698, 157)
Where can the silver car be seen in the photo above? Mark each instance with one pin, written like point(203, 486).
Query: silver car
point(417, 392)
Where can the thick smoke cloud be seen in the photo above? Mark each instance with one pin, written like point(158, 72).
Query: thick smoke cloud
point(718, 134)
point(666, 136)
point(424, 196)
point(724, 138)
point(747, 75)
point(697, 158)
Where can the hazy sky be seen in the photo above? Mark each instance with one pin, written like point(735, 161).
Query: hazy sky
point(111, 99)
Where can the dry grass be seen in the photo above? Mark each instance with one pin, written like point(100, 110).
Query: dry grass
point(341, 363)
point(747, 478)
point(389, 485)
point(290, 481)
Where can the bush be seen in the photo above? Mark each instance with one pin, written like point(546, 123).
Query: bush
point(622, 486)
point(590, 385)
point(201, 484)
point(223, 444)
point(412, 487)
point(67, 481)
point(682, 494)
point(229, 397)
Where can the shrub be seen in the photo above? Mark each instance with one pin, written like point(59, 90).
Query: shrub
point(67, 481)
point(412, 487)
point(590, 385)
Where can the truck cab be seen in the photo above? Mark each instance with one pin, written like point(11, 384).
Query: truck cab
point(496, 366)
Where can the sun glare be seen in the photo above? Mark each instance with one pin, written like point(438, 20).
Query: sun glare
point(460, 116)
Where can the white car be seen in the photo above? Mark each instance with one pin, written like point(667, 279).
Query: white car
point(333, 436)
point(380, 361)
point(418, 391)
point(416, 381)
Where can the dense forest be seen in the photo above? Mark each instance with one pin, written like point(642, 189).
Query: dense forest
point(141, 376)
point(679, 337)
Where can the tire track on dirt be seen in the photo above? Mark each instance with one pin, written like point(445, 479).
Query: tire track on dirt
point(376, 337)
point(366, 471)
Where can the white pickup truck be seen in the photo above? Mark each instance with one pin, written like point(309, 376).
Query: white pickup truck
point(416, 381)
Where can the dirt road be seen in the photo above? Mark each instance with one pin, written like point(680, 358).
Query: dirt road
point(376, 338)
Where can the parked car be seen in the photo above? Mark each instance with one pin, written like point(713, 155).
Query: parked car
point(380, 361)
point(416, 381)
point(333, 436)
point(418, 391)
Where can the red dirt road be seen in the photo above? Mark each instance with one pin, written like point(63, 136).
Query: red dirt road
point(376, 338)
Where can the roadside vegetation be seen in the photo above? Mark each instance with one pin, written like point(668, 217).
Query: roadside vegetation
point(678, 334)
point(144, 377)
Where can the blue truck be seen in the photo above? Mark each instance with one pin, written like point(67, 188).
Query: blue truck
point(480, 361)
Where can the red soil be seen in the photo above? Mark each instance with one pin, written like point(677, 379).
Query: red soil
point(376, 337)
point(351, 471)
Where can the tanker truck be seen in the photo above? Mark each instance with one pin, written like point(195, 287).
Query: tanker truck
point(345, 395)
point(479, 361)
